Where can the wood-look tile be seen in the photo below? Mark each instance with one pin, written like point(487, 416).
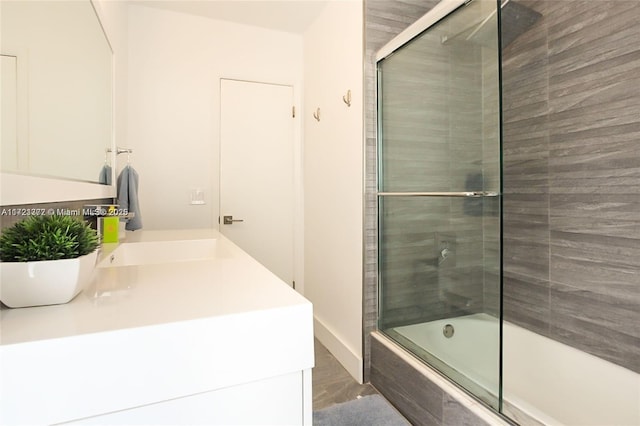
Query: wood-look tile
point(596, 169)
point(567, 16)
point(526, 235)
point(605, 326)
point(526, 302)
point(527, 128)
point(417, 398)
point(455, 414)
point(332, 384)
point(390, 18)
point(528, 91)
point(612, 215)
point(526, 165)
point(583, 59)
point(588, 262)
point(592, 122)
point(526, 259)
point(528, 174)
point(527, 60)
point(591, 25)
point(610, 91)
point(618, 64)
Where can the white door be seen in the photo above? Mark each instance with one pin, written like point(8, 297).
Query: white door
point(256, 171)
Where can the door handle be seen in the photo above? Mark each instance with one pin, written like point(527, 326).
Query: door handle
point(228, 220)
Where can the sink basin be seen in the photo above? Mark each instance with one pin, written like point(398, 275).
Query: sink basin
point(149, 253)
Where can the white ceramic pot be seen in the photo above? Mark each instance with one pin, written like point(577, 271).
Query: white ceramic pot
point(45, 282)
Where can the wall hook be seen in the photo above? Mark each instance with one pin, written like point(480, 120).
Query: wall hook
point(347, 98)
point(316, 114)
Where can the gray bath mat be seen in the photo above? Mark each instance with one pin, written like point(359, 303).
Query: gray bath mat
point(371, 410)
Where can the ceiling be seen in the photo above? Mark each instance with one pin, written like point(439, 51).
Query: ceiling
point(293, 16)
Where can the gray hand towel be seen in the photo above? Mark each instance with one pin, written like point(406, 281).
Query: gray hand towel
point(105, 175)
point(128, 196)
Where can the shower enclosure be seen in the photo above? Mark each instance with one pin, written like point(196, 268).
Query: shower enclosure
point(439, 195)
point(507, 206)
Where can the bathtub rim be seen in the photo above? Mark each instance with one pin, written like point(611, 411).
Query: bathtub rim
point(457, 392)
point(479, 392)
point(516, 407)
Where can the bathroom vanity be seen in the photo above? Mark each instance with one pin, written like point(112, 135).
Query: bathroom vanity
point(177, 327)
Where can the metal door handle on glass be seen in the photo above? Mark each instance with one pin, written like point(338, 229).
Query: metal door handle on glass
point(470, 194)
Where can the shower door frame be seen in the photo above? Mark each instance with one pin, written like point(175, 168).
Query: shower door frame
point(441, 11)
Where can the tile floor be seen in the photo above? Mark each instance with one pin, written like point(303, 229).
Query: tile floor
point(332, 384)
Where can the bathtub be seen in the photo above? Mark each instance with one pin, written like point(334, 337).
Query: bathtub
point(544, 381)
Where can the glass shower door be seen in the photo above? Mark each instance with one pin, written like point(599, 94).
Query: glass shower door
point(439, 197)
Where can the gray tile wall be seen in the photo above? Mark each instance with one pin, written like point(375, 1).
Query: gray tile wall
point(571, 90)
point(383, 20)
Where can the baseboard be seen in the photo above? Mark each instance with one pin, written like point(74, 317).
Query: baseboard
point(349, 360)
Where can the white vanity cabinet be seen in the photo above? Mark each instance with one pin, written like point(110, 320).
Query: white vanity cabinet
point(276, 401)
point(210, 341)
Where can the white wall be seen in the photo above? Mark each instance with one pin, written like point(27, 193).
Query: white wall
point(333, 179)
point(175, 62)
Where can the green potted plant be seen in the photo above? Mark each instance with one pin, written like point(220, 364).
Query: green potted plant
point(46, 260)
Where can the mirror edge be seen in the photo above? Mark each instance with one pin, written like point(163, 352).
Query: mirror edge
point(23, 189)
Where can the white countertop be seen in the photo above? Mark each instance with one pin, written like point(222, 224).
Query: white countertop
point(147, 333)
point(142, 295)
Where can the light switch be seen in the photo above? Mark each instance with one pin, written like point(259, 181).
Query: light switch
point(197, 196)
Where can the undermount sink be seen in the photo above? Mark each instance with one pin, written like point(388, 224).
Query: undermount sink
point(155, 252)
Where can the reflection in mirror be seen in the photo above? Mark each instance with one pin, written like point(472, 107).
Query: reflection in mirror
point(56, 90)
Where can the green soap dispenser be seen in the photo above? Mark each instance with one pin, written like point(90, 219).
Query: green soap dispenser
point(110, 227)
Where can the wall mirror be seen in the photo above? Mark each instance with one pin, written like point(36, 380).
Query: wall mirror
point(57, 92)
